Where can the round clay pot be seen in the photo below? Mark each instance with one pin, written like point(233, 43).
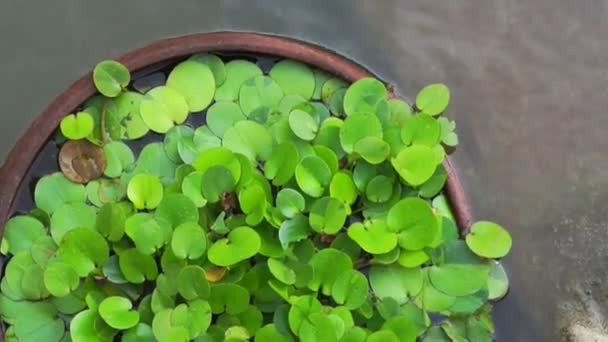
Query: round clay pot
point(32, 141)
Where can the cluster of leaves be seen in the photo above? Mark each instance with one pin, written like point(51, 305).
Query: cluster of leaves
point(304, 209)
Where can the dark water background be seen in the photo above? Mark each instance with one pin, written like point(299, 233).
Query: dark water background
point(529, 80)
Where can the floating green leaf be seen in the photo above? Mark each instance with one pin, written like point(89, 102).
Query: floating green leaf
point(189, 241)
point(145, 191)
point(327, 215)
point(192, 283)
point(350, 289)
point(250, 139)
point(21, 232)
point(242, 243)
point(162, 108)
point(77, 126)
point(395, 281)
point(358, 126)
point(83, 249)
point(54, 190)
point(136, 266)
point(223, 115)
point(327, 265)
point(260, 92)
point(116, 312)
point(313, 175)
point(374, 237)
point(110, 77)
point(195, 82)
point(294, 78)
point(60, 279)
point(415, 222)
point(237, 72)
point(290, 202)
point(363, 96)
point(489, 240)
point(433, 99)
point(415, 164)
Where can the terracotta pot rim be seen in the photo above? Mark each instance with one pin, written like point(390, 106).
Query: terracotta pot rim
point(33, 139)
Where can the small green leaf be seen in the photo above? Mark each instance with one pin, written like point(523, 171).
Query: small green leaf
point(303, 125)
point(421, 129)
point(498, 282)
point(301, 309)
point(21, 232)
point(343, 187)
point(415, 164)
point(290, 202)
point(195, 82)
point(60, 279)
point(433, 99)
point(281, 164)
point(373, 149)
point(145, 191)
point(350, 289)
point(415, 222)
point(77, 126)
point(192, 283)
point(358, 126)
point(189, 241)
point(383, 336)
point(214, 63)
point(54, 190)
point(294, 230)
point(177, 209)
point(327, 265)
point(237, 72)
point(84, 249)
point(118, 157)
point(281, 271)
point(374, 237)
point(148, 233)
point(294, 78)
point(458, 279)
point(230, 298)
point(395, 281)
point(242, 243)
point(250, 139)
point(313, 175)
point(223, 115)
point(162, 108)
point(363, 96)
point(448, 136)
point(137, 267)
point(489, 240)
point(260, 92)
point(327, 215)
point(116, 311)
point(110, 77)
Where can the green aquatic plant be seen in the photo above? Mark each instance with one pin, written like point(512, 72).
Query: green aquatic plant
point(304, 209)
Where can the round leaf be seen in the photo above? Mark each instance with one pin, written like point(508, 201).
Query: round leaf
point(290, 202)
point(110, 77)
point(281, 164)
point(374, 237)
point(373, 149)
point(350, 289)
point(303, 125)
point(177, 209)
point(222, 115)
point(260, 92)
point(195, 82)
point(313, 175)
point(327, 265)
point(192, 283)
point(415, 164)
point(137, 267)
point(214, 63)
point(77, 126)
point(415, 222)
point(433, 99)
point(421, 129)
point(237, 72)
point(294, 78)
point(145, 191)
point(327, 215)
point(489, 240)
point(498, 282)
point(84, 249)
point(60, 279)
point(363, 95)
point(242, 243)
point(54, 190)
point(162, 108)
point(249, 138)
point(21, 232)
point(343, 188)
point(458, 279)
point(395, 281)
point(358, 126)
point(118, 157)
point(116, 311)
point(189, 241)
